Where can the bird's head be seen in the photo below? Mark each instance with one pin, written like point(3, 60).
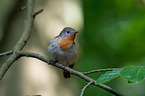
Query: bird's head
point(68, 33)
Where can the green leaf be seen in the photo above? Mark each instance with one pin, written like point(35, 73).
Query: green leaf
point(134, 74)
point(108, 76)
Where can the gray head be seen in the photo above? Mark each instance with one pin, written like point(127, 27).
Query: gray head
point(68, 32)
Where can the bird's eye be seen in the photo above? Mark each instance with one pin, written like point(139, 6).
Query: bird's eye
point(67, 32)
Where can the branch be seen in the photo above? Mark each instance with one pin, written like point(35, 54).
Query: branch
point(6, 53)
point(85, 88)
point(74, 72)
point(44, 59)
point(28, 23)
point(22, 41)
point(100, 70)
point(37, 12)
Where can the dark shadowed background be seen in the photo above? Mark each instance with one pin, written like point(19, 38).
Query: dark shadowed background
point(112, 34)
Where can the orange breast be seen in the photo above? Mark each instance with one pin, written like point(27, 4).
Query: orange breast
point(65, 43)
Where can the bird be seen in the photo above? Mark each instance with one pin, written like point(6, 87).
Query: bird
point(63, 49)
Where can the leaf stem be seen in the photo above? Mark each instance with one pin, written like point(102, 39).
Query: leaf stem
point(100, 70)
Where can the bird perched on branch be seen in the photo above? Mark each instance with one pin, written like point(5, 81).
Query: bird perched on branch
point(63, 49)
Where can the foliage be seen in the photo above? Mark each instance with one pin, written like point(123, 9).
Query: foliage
point(108, 76)
point(134, 74)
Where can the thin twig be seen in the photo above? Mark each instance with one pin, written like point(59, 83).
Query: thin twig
point(100, 70)
point(37, 12)
point(82, 91)
point(6, 53)
point(74, 72)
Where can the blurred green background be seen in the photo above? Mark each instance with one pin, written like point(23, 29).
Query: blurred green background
point(112, 35)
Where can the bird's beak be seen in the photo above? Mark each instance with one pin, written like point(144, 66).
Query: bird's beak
point(72, 37)
point(76, 32)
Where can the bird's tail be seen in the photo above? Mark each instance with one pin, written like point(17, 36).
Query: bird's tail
point(66, 74)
